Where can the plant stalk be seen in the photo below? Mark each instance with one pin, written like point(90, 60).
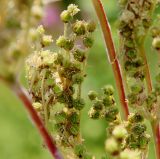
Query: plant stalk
point(112, 54)
point(24, 97)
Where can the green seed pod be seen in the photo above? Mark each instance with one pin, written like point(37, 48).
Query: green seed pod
point(132, 141)
point(80, 150)
point(88, 41)
point(138, 128)
point(135, 118)
point(111, 146)
point(91, 26)
point(59, 127)
point(136, 88)
point(65, 43)
point(108, 90)
point(60, 117)
point(79, 28)
point(92, 95)
point(79, 55)
point(94, 114)
point(119, 132)
point(58, 59)
point(77, 78)
point(65, 16)
point(74, 118)
point(98, 105)
point(156, 43)
point(108, 101)
point(74, 129)
point(79, 104)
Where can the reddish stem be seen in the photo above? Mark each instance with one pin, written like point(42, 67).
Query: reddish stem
point(50, 143)
point(112, 54)
point(156, 136)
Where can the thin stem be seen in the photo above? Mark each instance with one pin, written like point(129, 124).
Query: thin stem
point(146, 69)
point(156, 136)
point(112, 54)
point(24, 97)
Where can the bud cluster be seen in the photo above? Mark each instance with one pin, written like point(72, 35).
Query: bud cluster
point(103, 107)
point(55, 79)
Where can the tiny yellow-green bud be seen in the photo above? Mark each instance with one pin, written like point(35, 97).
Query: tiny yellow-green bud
point(156, 43)
point(136, 88)
point(79, 55)
point(73, 9)
point(91, 26)
point(108, 90)
point(40, 30)
point(37, 106)
point(74, 129)
point(79, 28)
point(119, 132)
point(65, 16)
point(65, 43)
point(47, 40)
point(94, 114)
point(108, 101)
point(79, 104)
point(98, 105)
point(77, 78)
point(111, 146)
point(60, 117)
point(92, 95)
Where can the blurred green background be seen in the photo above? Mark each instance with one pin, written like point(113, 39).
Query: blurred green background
point(18, 137)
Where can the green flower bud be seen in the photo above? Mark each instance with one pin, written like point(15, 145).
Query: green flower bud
point(78, 104)
point(79, 55)
point(58, 60)
point(110, 114)
point(59, 127)
point(74, 129)
point(138, 128)
point(80, 150)
point(88, 41)
point(91, 26)
point(108, 90)
point(92, 95)
point(47, 40)
point(111, 146)
point(94, 114)
point(135, 118)
point(74, 117)
point(65, 43)
point(132, 98)
point(119, 132)
point(132, 54)
point(108, 101)
point(77, 79)
point(98, 105)
point(60, 117)
point(151, 99)
point(79, 28)
point(136, 88)
point(143, 141)
point(132, 141)
point(73, 9)
point(65, 16)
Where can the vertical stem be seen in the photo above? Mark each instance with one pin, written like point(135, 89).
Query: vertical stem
point(146, 69)
point(156, 136)
point(24, 97)
point(112, 54)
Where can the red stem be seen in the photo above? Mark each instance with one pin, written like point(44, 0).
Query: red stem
point(50, 143)
point(112, 54)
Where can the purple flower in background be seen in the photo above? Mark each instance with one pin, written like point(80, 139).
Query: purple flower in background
point(51, 17)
